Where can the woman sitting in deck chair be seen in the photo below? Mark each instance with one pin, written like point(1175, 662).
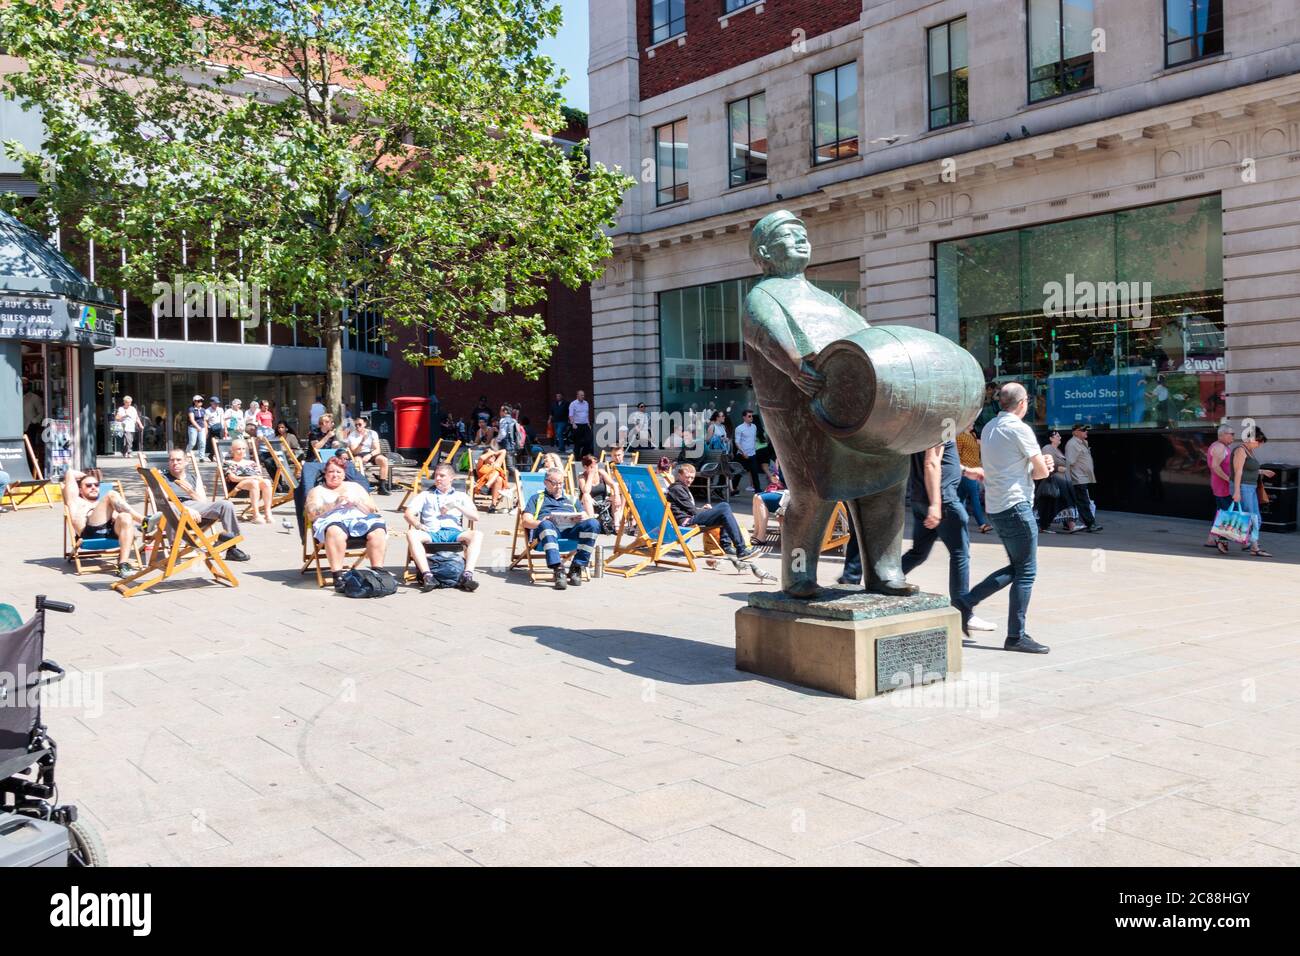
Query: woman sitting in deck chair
point(600, 495)
point(245, 474)
point(338, 510)
point(491, 474)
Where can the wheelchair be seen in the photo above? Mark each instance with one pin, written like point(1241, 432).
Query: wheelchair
point(27, 753)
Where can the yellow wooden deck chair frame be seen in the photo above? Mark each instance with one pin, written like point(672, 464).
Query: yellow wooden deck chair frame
point(834, 538)
point(651, 530)
point(294, 463)
point(103, 558)
point(23, 492)
point(282, 473)
point(178, 542)
point(426, 471)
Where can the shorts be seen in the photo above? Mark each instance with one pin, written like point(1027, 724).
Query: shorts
point(99, 531)
point(771, 499)
point(445, 535)
point(353, 525)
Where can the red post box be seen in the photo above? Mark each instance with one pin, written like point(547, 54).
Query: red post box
point(411, 426)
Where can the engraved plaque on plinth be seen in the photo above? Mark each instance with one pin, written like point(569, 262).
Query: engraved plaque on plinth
point(911, 659)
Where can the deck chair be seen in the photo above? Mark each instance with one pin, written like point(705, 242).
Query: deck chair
point(28, 486)
point(283, 475)
point(99, 551)
point(837, 529)
point(313, 552)
point(634, 458)
point(651, 530)
point(431, 461)
point(474, 484)
point(527, 484)
point(325, 454)
point(221, 487)
point(292, 459)
point(178, 542)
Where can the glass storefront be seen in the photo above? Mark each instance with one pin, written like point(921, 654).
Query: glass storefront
point(701, 350)
point(1115, 320)
point(49, 404)
point(164, 398)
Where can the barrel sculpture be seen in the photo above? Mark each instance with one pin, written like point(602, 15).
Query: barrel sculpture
point(897, 389)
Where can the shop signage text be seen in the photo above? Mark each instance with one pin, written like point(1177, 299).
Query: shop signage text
point(54, 319)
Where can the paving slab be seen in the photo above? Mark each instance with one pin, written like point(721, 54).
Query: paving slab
point(278, 723)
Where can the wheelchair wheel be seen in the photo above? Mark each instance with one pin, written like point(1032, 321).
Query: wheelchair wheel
point(85, 848)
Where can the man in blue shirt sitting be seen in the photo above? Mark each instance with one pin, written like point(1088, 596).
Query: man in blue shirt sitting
point(543, 517)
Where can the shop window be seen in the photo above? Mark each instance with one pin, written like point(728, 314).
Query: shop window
point(1116, 320)
point(1059, 47)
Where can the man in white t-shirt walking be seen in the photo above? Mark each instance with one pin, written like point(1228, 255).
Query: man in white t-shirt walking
point(1012, 462)
point(746, 451)
point(580, 426)
point(439, 515)
point(129, 416)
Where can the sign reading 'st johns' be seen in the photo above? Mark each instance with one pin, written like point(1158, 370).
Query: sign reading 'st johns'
point(54, 319)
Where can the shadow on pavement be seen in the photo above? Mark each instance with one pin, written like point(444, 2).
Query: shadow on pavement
point(661, 657)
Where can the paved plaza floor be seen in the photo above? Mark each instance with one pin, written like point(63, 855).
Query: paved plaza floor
point(277, 723)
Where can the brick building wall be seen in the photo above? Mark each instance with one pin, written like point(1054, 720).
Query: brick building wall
point(711, 48)
point(568, 317)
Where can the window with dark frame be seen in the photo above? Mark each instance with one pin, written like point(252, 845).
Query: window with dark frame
point(949, 72)
point(1193, 30)
point(835, 114)
point(667, 19)
point(670, 163)
point(1058, 47)
point(747, 136)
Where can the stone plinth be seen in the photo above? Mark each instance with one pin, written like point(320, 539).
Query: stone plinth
point(848, 642)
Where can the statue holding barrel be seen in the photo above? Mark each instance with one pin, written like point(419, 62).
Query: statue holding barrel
point(845, 404)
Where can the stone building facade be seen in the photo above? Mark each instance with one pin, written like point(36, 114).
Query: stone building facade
point(1178, 148)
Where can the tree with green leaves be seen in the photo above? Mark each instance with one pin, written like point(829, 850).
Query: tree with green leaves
point(338, 156)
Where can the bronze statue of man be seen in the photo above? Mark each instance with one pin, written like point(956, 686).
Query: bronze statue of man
point(787, 322)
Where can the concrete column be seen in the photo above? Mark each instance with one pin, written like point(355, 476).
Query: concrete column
point(87, 408)
point(11, 389)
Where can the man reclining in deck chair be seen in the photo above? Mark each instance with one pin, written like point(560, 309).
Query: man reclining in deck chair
point(339, 509)
point(197, 503)
point(107, 516)
point(552, 501)
point(688, 513)
point(438, 515)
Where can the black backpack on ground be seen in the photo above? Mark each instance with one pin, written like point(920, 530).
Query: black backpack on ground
point(366, 583)
point(446, 568)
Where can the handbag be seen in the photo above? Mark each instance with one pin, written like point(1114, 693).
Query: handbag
point(1263, 495)
point(1233, 524)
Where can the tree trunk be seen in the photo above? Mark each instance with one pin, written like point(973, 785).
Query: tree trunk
point(333, 339)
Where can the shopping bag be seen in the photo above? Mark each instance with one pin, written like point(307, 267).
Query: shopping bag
point(1233, 524)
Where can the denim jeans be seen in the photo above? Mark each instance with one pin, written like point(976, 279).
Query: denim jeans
point(1019, 533)
point(969, 492)
point(955, 535)
point(1250, 505)
point(194, 440)
point(720, 516)
point(4, 482)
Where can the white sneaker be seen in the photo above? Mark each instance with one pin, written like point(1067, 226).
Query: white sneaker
point(979, 624)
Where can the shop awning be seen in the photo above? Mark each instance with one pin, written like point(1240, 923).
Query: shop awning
point(42, 295)
point(30, 264)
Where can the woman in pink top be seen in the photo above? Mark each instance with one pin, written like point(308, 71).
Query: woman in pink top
point(265, 421)
point(1220, 479)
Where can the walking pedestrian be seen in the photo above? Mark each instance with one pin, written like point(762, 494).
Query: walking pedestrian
point(560, 420)
point(1246, 473)
point(129, 416)
point(580, 423)
point(196, 430)
point(746, 450)
point(1083, 475)
point(938, 514)
point(1218, 457)
point(968, 450)
point(1012, 461)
